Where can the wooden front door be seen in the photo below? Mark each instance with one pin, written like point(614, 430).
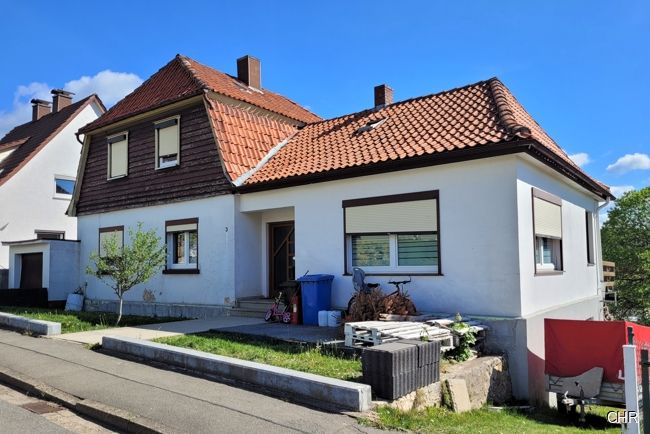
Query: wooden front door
point(31, 270)
point(281, 252)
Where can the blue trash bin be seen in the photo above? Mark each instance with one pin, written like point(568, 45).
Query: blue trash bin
point(316, 290)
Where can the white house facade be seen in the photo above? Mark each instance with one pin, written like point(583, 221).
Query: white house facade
point(460, 191)
point(38, 172)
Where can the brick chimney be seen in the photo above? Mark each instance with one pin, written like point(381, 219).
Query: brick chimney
point(40, 108)
point(249, 71)
point(383, 95)
point(60, 99)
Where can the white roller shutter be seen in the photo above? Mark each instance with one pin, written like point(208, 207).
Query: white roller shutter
point(397, 217)
point(168, 140)
point(119, 158)
point(548, 218)
point(103, 236)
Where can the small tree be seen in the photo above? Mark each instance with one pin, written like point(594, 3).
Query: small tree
point(626, 241)
point(123, 267)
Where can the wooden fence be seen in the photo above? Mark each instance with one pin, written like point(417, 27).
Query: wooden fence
point(609, 277)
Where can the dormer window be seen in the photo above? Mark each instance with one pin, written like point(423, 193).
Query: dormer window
point(168, 143)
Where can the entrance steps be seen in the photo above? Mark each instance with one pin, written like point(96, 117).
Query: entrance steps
point(252, 307)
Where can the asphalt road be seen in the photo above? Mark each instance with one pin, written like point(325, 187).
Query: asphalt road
point(17, 420)
point(176, 400)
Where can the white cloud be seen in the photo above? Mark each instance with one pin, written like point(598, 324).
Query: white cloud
point(620, 190)
point(110, 86)
point(581, 158)
point(629, 162)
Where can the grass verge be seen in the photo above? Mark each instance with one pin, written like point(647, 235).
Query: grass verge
point(484, 421)
point(72, 322)
point(310, 359)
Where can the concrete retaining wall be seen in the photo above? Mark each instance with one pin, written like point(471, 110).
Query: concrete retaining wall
point(47, 328)
point(144, 308)
point(317, 390)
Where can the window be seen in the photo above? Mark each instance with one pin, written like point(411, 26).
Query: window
point(547, 227)
point(589, 220)
point(63, 187)
point(167, 143)
point(393, 234)
point(182, 244)
point(113, 234)
point(49, 235)
point(118, 155)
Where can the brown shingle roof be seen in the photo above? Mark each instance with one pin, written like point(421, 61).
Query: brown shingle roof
point(479, 115)
point(29, 138)
point(182, 78)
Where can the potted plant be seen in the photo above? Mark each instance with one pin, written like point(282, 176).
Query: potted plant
point(75, 300)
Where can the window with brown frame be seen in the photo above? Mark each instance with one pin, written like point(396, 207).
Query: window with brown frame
point(589, 224)
point(108, 234)
point(547, 228)
point(182, 244)
point(118, 155)
point(393, 234)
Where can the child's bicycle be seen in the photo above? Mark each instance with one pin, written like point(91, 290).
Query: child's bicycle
point(276, 314)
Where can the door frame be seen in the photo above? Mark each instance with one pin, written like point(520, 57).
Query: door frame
point(269, 260)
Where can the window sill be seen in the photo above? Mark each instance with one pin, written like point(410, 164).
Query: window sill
point(168, 167)
point(62, 197)
point(117, 177)
point(181, 271)
point(589, 264)
point(398, 274)
point(549, 272)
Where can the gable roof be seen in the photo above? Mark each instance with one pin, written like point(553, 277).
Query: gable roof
point(29, 138)
point(483, 115)
point(182, 78)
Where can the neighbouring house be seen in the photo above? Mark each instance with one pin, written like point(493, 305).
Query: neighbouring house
point(38, 166)
point(462, 190)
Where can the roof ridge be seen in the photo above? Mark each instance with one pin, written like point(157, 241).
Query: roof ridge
point(186, 62)
point(505, 112)
point(408, 100)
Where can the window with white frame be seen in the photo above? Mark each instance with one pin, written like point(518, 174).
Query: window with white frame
point(168, 143)
point(63, 187)
point(547, 227)
point(118, 155)
point(108, 236)
point(182, 244)
point(49, 235)
point(393, 234)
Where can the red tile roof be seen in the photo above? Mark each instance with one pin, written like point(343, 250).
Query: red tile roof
point(244, 137)
point(479, 115)
point(29, 138)
point(182, 78)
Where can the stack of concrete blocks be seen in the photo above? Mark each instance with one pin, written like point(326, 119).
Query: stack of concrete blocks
point(398, 368)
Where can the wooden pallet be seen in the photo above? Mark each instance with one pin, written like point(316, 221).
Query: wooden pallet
point(380, 332)
point(609, 392)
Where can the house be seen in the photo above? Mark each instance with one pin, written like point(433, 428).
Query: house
point(38, 164)
point(462, 190)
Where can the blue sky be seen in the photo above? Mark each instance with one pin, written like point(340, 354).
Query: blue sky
point(579, 67)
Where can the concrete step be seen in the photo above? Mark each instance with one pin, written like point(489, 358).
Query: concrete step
point(257, 304)
point(240, 312)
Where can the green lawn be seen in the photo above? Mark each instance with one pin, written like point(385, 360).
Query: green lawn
point(83, 321)
point(276, 353)
point(439, 420)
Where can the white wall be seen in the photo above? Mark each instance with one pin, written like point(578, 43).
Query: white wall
point(64, 269)
point(478, 236)
point(579, 280)
point(215, 283)
point(27, 198)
